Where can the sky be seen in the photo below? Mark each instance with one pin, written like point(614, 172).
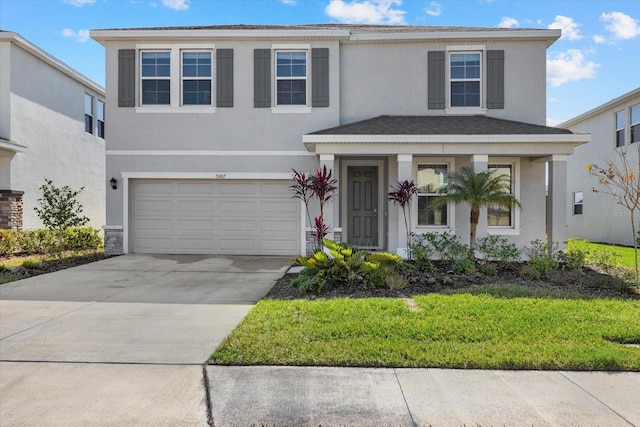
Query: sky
point(596, 60)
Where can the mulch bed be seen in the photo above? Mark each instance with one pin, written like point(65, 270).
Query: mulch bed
point(53, 265)
point(588, 283)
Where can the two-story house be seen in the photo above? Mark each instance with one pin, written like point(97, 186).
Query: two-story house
point(207, 123)
point(52, 121)
point(614, 128)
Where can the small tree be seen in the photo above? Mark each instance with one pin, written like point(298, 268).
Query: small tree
point(478, 190)
point(59, 209)
point(401, 195)
point(622, 182)
point(321, 186)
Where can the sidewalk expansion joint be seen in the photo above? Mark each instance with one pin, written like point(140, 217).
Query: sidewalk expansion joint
point(404, 398)
point(207, 392)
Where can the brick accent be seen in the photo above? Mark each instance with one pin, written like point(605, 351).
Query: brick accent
point(11, 210)
point(113, 241)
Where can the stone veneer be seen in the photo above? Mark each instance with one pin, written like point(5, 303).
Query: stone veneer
point(113, 241)
point(11, 209)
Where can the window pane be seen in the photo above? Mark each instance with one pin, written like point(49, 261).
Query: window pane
point(635, 133)
point(619, 138)
point(427, 215)
point(156, 64)
point(196, 92)
point(88, 123)
point(465, 94)
point(291, 64)
point(578, 197)
point(88, 104)
point(196, 64)
point(620, 120)
point(498, 216)
point(504, 170)
point(292, 92)
point(100, 129)
point(431, 178)
point(156, 92)
point(100, 110)
point(635, 114)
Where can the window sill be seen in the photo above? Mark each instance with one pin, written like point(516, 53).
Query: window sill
point(297, 109)
point(176, 110)
point(461, 111)
point(434, 229)
point(503, 231)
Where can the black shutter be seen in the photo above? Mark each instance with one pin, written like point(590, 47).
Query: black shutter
point(262, 78)
point(126, 78)
point(436, 80)
point(495, 79)
point(224, 77)
point(320, 77)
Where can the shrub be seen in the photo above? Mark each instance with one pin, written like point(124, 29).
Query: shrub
point(446, 246)
point(339, 264)
point(464, 266)
point(530, 272)
point(82, 238)
point(40, 241)
point(495, 248)
point(30, 263)
point(420, 252)
point(542, 257)
point(575, 255)
point(8, 242)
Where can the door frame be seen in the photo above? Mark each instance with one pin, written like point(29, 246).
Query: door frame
point(344, 186)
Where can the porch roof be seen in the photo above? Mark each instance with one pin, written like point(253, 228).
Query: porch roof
point(450, 134)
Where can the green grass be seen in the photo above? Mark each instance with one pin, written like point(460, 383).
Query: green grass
point(625, 256)
point(617, 256)
point(493, 330)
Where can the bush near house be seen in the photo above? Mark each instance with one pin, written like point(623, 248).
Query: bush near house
point(45, 241)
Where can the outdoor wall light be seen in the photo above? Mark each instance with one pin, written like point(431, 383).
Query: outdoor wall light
point(114, 183)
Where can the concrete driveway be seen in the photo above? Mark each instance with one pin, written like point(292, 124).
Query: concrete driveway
point(122, 341)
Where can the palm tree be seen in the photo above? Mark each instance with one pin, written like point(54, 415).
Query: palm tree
point(478, 190)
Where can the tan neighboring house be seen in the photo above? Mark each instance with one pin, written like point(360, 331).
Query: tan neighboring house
point(52, 122)
point(207, 123)
point(614, 127)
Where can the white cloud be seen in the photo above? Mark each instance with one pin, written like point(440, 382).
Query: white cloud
point(553, 122)
point(366, 12)
point(176, 4)
point(622, 26)
point(80, 35)
point(434, 9)
point(569, 66)
point(568, 26)
point(508, 22)
point(599, 39)
point(78, 2)
point(289, 2)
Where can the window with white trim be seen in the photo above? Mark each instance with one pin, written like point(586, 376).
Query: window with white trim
point(430, 179)
point(196, 78)
point(635, 123)
point(100, 117)
point(620, 122)
point(156, 77)
point(291, 77)
point(578, 202)
point(88, 113)
point(464, 76)
point(501, 216)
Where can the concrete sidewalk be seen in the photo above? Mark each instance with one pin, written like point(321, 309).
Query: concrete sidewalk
point(306, 396)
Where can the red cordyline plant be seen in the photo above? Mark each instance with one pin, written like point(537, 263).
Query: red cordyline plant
point(401, 195)
point(320, 186)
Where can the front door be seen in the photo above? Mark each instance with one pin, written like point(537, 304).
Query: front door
point(362, 206)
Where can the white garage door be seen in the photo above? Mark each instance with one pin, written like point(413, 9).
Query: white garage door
point(214, 217)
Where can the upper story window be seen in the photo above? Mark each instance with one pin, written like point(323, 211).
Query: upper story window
point(88, 113)
point(635, 123)
point(578, 202)
point(465, 79)
point(100, 113)
point(291, 77)
point(500, 216)
point(431, 178)
point(196, 78)
point(156, 78)
point(620, 122)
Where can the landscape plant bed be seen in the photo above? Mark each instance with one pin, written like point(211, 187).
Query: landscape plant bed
point(499, 326)
point(587, 282)
point(49, 264)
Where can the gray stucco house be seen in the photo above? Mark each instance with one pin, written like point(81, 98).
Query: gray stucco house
point(51, 126)
point(614, 127)
point(206, 124)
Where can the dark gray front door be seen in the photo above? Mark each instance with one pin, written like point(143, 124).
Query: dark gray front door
point(362, 206)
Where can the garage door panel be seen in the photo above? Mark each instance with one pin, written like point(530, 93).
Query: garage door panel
point(214, 217)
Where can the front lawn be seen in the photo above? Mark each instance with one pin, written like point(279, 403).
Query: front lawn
point(491, 329)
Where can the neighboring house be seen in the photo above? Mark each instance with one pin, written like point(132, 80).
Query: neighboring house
point(51, 126)
point(614, 127)
point(207, 123)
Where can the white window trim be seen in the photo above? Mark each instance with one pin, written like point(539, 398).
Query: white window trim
point(622, 129)
point(291, 109)
point(104, 120)
point(632, 123)
point(169, 78)
point(514, 230)
point(451, 214)
point(183, 78)
point(481, 49)
point(92, 114)
point(175, 105)
point(574, 204)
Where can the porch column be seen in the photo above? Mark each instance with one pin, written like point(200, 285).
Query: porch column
point(557, 201)
point(480, 163)
point(405, 171)
point(328, 160)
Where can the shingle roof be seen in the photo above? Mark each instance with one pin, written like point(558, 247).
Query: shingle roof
point(353, 28)
point(440, 125)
